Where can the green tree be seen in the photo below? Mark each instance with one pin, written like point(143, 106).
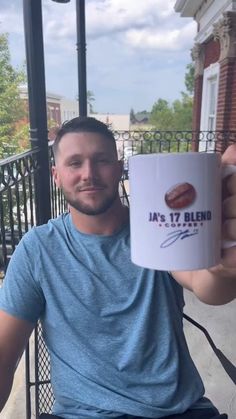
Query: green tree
point(90, 100)
point(11, 106)
point(182, 113)
point(132, 115)
point(162, 117)
point(189, 78)
point(21, 135)
point(183, 109)
point(178, 115)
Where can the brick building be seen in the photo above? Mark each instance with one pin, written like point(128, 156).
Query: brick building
point(61, 109)
point(214, 54)
point(53, 104)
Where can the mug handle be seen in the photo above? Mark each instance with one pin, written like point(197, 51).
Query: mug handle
point(228, 170)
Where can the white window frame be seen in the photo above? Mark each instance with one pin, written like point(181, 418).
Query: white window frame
point(211, 74)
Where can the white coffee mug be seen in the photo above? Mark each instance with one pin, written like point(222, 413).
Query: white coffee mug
point(175, 210)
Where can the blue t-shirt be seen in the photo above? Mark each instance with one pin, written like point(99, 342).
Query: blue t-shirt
point(113, 329)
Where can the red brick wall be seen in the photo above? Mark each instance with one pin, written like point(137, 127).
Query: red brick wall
point(232, 122)
point(197, 103)
point(226, 110)
point(212, 52)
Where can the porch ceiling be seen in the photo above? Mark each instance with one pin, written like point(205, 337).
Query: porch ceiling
point(187, 8)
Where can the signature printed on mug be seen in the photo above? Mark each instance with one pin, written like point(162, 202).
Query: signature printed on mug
point(180, 196)
point(177, 235)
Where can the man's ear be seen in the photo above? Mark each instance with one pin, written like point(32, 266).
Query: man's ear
point(56, 176)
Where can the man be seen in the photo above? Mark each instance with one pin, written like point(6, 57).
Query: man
point(113, 329)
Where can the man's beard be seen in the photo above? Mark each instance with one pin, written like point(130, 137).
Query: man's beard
point(87, 209)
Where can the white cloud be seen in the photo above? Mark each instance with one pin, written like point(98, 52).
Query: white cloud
point(145, 24)
point(164, 40)
point(11, 21)
point(134, 49)
point(122, 15)
point(55, 27)
point(149, 24)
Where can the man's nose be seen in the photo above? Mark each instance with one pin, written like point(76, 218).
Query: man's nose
point(88, 171)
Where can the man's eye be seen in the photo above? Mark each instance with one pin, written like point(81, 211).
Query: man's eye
point(75, 164)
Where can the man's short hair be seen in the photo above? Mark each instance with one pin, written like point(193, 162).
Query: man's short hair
point(83, 124)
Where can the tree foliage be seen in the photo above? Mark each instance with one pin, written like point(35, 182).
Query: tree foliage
point(176, 116)
point(90, 100)
point(132, 115)
point(162, 115)
point(189, 78)
point(11, 106)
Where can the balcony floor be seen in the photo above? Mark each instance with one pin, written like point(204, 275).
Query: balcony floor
point(220, 324)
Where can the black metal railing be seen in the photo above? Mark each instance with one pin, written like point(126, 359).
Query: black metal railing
point(153, 141)
point(17, 197)
point(18, 215)
point(17, 200)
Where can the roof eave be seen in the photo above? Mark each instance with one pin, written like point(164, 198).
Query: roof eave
point(187, 8)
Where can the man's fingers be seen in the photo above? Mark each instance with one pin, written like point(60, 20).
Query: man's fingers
point(229, 229)
point(230, 184)
point(229, 257)
point(229, 207)
point(229, 156)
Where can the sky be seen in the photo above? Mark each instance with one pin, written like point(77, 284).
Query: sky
point(136, 50)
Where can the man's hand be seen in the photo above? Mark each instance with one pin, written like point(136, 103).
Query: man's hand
point(217, 285)
point(229, 209)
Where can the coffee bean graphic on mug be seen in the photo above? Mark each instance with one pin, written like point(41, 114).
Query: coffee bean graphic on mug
point(180, 196)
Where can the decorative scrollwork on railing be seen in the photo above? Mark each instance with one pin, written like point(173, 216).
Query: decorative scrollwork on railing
point(153, 141)
point(17, 201)
point(14, 169)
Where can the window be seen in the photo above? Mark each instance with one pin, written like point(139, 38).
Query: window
point(209, 105)
point(211, 125)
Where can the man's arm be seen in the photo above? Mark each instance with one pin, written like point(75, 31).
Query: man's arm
point(214, 286)
point(14, 335)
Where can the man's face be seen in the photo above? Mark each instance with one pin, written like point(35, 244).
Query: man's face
point(87, 171)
